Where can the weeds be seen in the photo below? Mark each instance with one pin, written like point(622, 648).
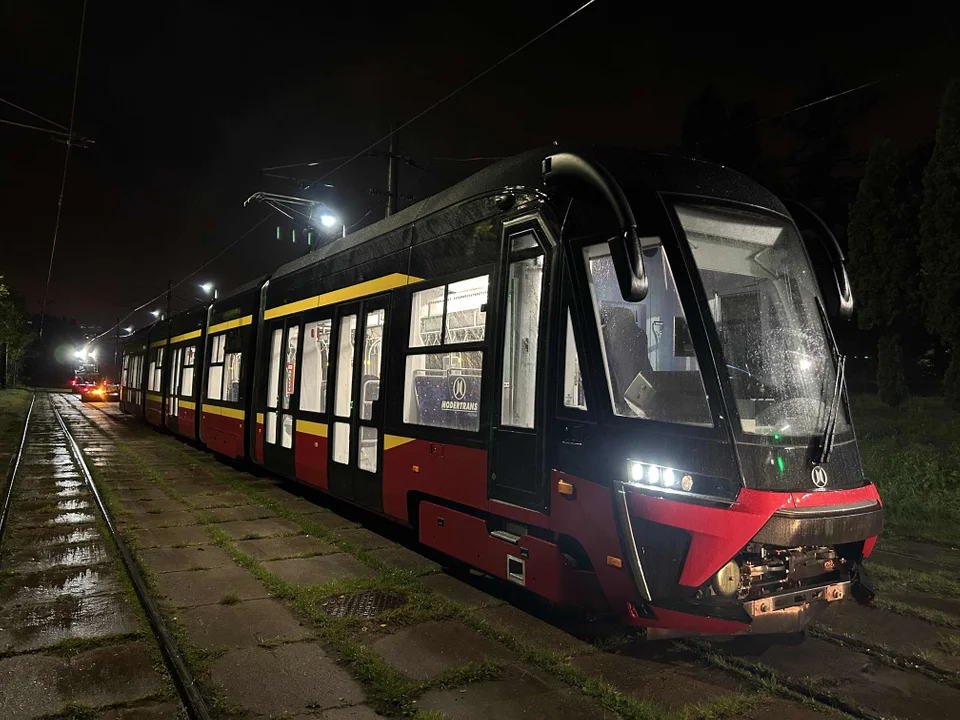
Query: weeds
point(229, 598)
point(950, 645)
point(912, 453)
point(891, 578)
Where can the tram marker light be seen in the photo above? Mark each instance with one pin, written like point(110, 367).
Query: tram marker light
point(636, 472)
point(669, 478)
point(564, 488)
point(686, 483)
point(614, 561)
point(653, 475)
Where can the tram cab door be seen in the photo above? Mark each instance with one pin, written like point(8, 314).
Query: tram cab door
point(355, 442)
point(516, 463)
point(279, 435)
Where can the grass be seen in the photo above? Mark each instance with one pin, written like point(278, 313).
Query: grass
point(934, 617)
point(912, 453)
point(229, 598)
point(935, 583)
point(950, 645)
point(13, 410)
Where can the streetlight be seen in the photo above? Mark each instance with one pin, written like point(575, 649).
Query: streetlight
point(128, 330)
point(207, 287)
point(156, 314)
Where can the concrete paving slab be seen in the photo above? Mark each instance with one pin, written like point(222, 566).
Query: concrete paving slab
point(217, 498)
point(37, 625)
point(171, 537)
point(319, 569)
point(150, 711)
point(430, 648)
point(356, 712)
point(138, 506)
point(38, 684)
point(366, 539)
point(671, 683)
point(285, 679)
point(135, 497)
point(175, 518)
point(286, 547)
point(252, 529)
point(200, 587)
point(239, 512)
point(533, 631)
point(461, 592)
point(48, 586)
point(245, 624)
point(403, 558)
point(193, 557)
point(520, 694)
point(329, 520)
point(44, 557)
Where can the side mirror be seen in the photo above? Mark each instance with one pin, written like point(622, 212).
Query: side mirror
point(827, 259)
point(625, 247)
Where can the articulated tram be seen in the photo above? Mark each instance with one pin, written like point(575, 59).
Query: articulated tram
point(603, 375)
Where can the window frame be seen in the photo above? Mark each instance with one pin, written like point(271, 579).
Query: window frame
point(476, 437)
point(601, 406)
point(308, 318)
point(212, 360)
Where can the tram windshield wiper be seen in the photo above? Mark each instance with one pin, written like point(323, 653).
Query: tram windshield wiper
point(833, 411)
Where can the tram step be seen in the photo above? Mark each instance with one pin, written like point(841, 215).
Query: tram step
point(508, 536)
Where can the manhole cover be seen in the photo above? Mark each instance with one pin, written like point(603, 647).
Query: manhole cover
point(363, 604)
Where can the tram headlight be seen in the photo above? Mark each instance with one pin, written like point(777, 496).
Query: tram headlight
point(678, 483)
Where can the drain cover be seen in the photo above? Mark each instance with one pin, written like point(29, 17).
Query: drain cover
point(363, 604)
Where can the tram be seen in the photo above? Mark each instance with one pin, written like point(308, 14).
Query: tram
point(603, 375)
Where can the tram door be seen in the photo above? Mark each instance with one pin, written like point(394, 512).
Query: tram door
point(516, 459)
point(355, 455)
point(279, 425)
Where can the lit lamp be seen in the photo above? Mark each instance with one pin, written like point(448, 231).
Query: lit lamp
point(208, 288)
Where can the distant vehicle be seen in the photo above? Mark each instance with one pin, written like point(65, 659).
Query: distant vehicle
point(102, 392)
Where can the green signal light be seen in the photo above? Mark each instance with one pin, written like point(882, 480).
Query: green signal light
point(777, 436)
point(780, 465)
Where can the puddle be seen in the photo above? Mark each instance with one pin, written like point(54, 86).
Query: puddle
point(34, 626)
point(35, 560)
point(73, 505)
point(44, 587)
point(72, 518)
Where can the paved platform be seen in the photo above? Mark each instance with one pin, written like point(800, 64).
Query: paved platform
point(249, 569)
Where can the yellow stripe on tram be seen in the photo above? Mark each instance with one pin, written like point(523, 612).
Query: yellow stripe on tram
point(392, 441)
point(186, 336)
point(312, 428)
point(234, 413)
point(369, 287)
point(231, 324)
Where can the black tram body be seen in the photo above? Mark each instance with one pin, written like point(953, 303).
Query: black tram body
point(607, 376)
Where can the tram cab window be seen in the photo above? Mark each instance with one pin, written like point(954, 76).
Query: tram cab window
point(442, 381)
point(651, 368)
point(573, 393)
point(156, 371)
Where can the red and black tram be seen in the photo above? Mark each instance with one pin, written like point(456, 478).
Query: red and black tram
point(606, 376)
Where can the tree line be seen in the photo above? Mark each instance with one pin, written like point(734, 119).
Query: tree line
point(16, 335)
point(904, 242)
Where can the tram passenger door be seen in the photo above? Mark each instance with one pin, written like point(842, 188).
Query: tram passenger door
point(516, 460)
point(279, 434)
point(355, 457)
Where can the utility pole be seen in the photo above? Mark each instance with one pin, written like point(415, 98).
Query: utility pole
point(169, 295)
point(116, 352)
point(393, 172)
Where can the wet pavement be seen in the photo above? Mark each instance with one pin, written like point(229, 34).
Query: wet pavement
point(250, 572)
point(70, 631)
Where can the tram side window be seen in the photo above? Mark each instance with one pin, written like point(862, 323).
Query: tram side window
point(573, 394)
point(650, 364)
point(156, 372)
point(189, 357)
point(442, 381)
point(316, 360)
point(223, 374)
point(521, 340)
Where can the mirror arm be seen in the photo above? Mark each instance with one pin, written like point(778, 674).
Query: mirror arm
point(625, 247)
point(829, 242)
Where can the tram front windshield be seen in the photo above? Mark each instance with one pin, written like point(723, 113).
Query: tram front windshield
point(762, 294)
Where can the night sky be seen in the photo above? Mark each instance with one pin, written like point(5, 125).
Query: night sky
point(187, 102)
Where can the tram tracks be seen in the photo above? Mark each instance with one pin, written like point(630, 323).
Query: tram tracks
point(180, 674)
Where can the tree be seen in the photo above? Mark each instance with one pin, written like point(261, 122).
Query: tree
point(884, 262)
point(15, 336)
point(940, 238)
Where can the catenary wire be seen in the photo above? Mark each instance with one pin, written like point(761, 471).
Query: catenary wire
point(66, 162)
point(351, 158)
point(28, 112)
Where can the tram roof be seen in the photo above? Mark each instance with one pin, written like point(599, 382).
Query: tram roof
point(661, 172)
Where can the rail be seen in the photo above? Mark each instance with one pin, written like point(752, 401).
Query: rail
point(12, 473)
point(182, 677)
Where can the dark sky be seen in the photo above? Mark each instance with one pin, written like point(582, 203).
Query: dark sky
point(188, 101)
